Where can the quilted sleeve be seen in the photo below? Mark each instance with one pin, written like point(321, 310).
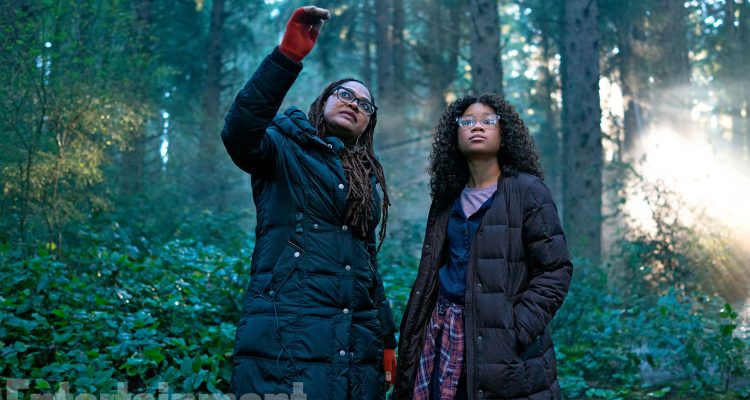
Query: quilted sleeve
point(254, 108)
point(548, 262)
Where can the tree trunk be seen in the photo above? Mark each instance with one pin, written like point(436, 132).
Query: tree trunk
point(207, 190)
point(742, 120)
point(391, 65)
point(549, 135)
point(53, 210)
point(731, 76)
point(582, 180)
point(670, 32)
point(745, 37)
point(627, 66)
point(399, 53)
point(25, 195)
point(384, 47)
point(366, 70)
point(134, 157)
point(439, 62)
point(31, 147)
point(212, 89)
point(731, 59)
point(484, 39)
point(671, 101)
point(385, 71)
point(133, 160)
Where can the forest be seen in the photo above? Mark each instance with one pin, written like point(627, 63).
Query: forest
point(126, 232)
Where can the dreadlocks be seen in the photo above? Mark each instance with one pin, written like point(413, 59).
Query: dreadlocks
point(359, 162)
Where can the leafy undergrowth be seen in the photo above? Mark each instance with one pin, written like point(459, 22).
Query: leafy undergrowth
point(139, 315)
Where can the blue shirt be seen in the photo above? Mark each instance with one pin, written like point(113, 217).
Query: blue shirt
point(460, 235)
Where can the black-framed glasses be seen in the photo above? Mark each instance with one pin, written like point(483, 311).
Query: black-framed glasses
point(347, 96)
point(486, 120)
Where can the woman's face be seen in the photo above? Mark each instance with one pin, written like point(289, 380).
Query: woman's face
point(481, 139)
point(346, 120)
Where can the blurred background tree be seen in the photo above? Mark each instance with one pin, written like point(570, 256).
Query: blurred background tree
point(125, 230)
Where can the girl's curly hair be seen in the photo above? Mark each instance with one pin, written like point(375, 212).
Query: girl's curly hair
point(448, 169)
point(359, 163)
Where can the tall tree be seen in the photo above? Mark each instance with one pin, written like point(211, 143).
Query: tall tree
point(734, 56)
point(582, 180)
point(134, 153)
point(484, 40)
point(545, 29)
point(669, 32)
point(743, 122)
point(366, 17)
point(670, 63)
point(384, 42)
point(628, 22)
point(207, 189)
point(391, 70)
point(550, 133)
point(399, 56)
point(438, 63)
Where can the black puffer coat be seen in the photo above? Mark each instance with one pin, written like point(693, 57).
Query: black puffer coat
point(315, 311)
point(518, 273)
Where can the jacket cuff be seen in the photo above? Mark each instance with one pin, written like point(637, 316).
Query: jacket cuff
point(387, 323)
point(522, 336)
point(285, 62)
point(389, 342)
point(522, 333)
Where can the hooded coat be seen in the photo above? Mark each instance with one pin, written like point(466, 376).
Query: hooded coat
point(518, 274)
point(315, 314)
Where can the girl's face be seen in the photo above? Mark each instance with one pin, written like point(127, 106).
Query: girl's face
point(346, 119)
point(482, 139)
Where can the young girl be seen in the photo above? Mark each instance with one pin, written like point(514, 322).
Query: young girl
point(494, 269)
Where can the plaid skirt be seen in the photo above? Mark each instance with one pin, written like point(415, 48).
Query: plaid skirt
point(446, 329)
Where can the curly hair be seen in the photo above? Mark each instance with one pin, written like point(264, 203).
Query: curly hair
point(448, 169)
point(359, 163)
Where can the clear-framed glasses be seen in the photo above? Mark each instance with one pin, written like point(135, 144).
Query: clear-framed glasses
point(347, 96)
point(468, 121)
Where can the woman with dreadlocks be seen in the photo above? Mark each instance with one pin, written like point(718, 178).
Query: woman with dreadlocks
point(315, 319)
point(494, 269)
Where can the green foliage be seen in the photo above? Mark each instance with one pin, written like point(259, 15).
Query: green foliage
point(611, 345)
point(398, 262)
point(650, 323)
point(68, 97)
point(122, 316)
point(122, 308)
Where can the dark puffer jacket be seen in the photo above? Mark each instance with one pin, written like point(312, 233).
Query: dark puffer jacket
point(518, 273)
point(315, 311)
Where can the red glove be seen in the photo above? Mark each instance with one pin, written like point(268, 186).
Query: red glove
point(389, 365)
point(302, 31)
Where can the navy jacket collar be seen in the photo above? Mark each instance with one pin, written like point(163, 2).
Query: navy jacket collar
point(294, 123)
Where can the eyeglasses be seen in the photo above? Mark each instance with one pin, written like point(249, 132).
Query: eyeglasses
point(469, 121)
point(347, 96)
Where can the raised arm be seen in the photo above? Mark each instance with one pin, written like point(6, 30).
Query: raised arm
point(244, 132)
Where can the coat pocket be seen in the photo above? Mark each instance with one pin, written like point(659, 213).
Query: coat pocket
point(282, 271)
point(532, 350)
